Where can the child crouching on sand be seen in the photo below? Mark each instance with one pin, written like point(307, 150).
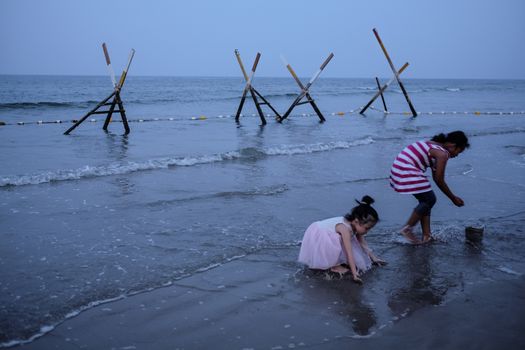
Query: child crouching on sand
point(330, 243)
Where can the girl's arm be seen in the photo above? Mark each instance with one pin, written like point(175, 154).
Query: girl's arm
point(438, 174)
point(346, 236)
point(368, 251)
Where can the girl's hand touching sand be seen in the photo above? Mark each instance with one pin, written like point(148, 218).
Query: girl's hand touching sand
point(379, 262)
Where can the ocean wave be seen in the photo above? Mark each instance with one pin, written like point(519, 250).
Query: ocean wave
point(258, 191)
point(44, 104)
point(498, 132)
point(120, 168)
point(316, 147)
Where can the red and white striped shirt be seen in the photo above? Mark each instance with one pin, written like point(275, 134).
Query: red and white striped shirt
point(407, 174)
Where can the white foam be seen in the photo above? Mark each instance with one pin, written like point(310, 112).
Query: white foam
point(508, 270)
point(316, 147)
point(120, 168)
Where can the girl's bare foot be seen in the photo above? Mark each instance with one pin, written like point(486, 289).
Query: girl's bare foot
point(409, 235)
point(428, 238)
point(339, 269)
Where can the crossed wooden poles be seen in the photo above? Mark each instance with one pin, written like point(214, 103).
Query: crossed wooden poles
point(305, 90)
point(396, 77)
point(117, 87)
point(254, 93)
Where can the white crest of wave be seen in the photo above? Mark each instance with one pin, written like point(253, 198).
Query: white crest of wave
point(113, 169)
point(315, 147)
point(121, 168)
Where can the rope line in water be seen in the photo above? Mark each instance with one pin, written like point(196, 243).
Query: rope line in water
point(202, 117)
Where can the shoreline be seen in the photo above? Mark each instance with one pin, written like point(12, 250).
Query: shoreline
point(257, 303)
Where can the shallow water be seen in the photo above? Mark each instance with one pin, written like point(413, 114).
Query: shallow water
point(95, 216)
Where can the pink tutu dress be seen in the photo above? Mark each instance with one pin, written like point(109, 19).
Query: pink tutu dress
point(322, 247)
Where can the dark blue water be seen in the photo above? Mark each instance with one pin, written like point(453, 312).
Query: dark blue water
point(95, 216)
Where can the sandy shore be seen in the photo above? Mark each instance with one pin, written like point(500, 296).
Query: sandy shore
point(256, 303)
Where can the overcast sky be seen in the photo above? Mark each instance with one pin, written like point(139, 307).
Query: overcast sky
point(439, 38)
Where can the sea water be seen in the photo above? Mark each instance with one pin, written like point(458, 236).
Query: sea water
point(94, 216)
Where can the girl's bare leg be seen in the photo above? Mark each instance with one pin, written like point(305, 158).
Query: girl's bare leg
point(425, 227)
point(407, 230)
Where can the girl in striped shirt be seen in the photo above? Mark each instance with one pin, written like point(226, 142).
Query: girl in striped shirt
point(407, 176)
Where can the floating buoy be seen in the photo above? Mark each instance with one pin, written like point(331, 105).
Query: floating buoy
point(477, 113)
point(340, 113)
point(203, 117)
point(20, 123)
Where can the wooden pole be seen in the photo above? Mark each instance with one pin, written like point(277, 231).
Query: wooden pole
point(382, 98)
point(238, 55)
point(125, 71)
point(316, 75)
point(252, 93)
point(382, 89)
point(110, 113)
point(108, 64)
point(122, 113)
point(414, 113)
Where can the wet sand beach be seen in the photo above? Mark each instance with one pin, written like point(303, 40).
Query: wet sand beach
point(264, 302)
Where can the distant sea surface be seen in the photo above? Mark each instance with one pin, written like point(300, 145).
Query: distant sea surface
point(94, 216)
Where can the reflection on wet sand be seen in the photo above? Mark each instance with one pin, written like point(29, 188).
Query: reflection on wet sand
point(346, 298)
point(416, 286)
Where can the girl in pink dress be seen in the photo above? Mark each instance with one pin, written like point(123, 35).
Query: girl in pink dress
point(407, 176)
point(330, 243)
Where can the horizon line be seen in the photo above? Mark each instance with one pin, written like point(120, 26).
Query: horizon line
point(240, 77)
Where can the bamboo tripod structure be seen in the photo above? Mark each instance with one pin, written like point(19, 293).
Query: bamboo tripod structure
point(254, 93)
point(117, 101)
point(381, 90)
point(396, 74)
point(305, 90)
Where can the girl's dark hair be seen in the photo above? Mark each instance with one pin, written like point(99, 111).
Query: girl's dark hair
point(456, 137)
point(363, 211)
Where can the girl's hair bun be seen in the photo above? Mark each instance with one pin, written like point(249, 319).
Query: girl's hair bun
point(366, 200)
